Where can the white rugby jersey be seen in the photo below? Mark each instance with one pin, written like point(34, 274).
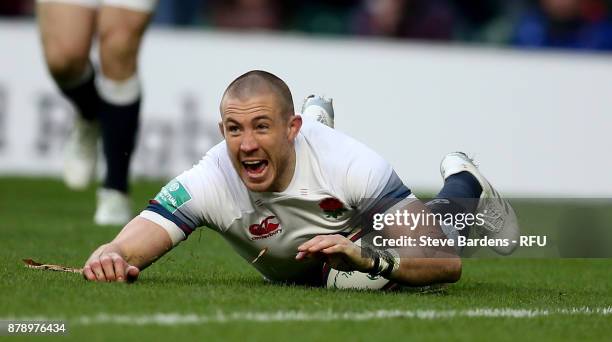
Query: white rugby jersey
point(336, 180)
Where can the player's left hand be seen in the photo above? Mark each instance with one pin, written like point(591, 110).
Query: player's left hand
point(341, 253)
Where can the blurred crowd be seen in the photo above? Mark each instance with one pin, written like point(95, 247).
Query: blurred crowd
point(566, 24)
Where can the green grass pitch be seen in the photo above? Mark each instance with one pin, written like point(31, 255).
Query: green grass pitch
point(203, 278)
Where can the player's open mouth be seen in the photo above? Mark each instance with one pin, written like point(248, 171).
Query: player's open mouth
point(255, 168)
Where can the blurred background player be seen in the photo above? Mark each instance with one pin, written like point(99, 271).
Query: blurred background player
point(107, 100)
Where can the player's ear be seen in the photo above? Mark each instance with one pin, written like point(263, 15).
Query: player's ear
point(221, 129)
point(295, 124)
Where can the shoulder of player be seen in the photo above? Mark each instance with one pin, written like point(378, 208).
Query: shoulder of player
point(324, 139)
point(219, 194)
point(214, 174)
point(334, 148)
point(341, 164)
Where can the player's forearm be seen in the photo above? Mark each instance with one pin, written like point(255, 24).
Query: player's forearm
point(429, 268)
point(418, 265)
point(141, 242)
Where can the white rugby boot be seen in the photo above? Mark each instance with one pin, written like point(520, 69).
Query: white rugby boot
point(113, 208)
point(319, 108)
point(500, 221)
point(81, 154)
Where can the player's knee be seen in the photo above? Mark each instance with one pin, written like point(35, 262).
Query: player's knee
point(119, 50)
point(66, 61)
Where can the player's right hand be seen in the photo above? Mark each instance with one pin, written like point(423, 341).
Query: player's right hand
point(109, 266)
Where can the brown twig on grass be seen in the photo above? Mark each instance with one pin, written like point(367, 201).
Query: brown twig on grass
point(39, 266)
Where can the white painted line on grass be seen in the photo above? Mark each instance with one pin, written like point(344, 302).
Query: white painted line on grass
point(303, 316)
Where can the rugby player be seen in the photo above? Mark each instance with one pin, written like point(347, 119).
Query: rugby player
point(296, 189)
point(107, 102)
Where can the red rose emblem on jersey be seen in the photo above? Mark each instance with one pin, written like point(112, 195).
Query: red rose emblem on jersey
point(268, 227)
point(332, 207)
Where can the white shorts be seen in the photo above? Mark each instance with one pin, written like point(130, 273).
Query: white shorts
point(135, 5)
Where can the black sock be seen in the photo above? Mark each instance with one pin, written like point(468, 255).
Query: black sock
point(459, 195)
point(84, 97)
point(119, 125)
point(460, 185)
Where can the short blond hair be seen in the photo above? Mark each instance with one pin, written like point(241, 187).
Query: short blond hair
point(257, 82)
